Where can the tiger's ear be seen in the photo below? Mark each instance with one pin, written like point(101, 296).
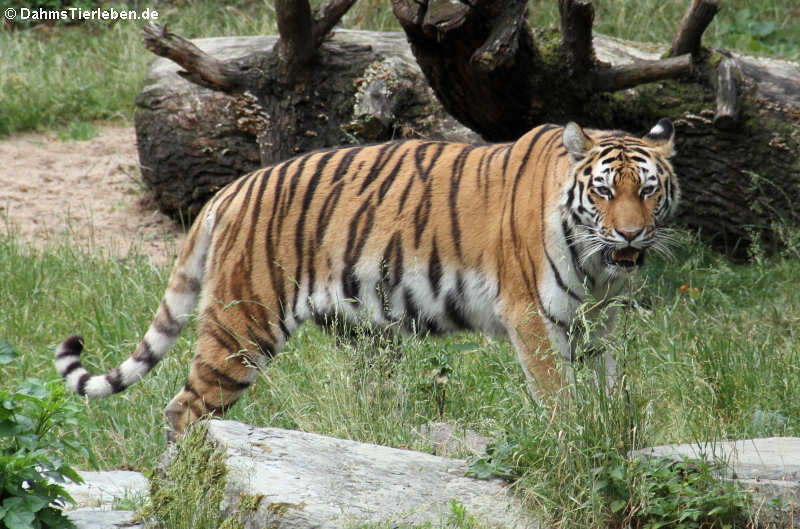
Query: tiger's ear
point(576, 141)
point(662, 137)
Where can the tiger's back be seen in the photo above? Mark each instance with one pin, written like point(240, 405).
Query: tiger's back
point(418, 235)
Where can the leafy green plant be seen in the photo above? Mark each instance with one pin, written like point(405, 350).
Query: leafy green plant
point(750, 30)
point(32, 421)
point(460, 518)
point(498, 461)
point(435, 378)
point(655, 493)
point(7, 352)
point(78, 131)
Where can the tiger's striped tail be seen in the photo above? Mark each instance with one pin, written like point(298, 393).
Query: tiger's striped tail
point(173, 312)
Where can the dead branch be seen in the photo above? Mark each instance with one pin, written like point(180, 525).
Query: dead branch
point(296, 47)
point(630, 75)
point(694, 23)
point(328, 14)
point(577, 17)
point(200, 67)
point(503, 41)
point(727, 114)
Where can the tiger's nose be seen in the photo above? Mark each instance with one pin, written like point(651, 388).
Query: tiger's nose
point(629, 234)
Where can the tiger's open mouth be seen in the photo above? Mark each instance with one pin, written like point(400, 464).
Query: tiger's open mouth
point(629, 257)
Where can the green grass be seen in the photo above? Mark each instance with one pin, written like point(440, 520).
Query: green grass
point(761, 27)
point(709, 349)
point(52, 76)
point(189, 494)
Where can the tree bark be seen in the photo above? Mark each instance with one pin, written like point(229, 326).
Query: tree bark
point(577, 17)
point(296, 47)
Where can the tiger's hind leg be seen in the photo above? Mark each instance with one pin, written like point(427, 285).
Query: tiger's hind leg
point(225, 365)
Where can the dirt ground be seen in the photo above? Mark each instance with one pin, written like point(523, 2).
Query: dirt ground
point(90, 190)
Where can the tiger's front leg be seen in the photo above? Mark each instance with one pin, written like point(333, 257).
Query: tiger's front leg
point(604, 363)
point(587, 346)
point(549, 354)
point(546, 367)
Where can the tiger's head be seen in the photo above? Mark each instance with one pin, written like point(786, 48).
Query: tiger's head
point(622, 189)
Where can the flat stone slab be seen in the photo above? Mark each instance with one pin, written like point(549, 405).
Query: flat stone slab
point(99, 518)
point(94, 498)
point(768, 467)
point(303, 480)
point(102, 488)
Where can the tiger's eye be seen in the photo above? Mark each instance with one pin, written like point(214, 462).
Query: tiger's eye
point(648, 190)
point(602, 191)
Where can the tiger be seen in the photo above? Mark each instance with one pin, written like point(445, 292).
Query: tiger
point(420, 236)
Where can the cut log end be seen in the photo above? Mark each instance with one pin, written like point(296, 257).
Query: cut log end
point(726, 116)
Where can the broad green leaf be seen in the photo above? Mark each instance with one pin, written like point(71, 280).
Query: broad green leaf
point(9, 428)
point(29, 441)
point(763, 28)
point(33, 388)
point(55, 519)
point(15, 519)
point(7, 352)
point(33, 503)
point(12, 503)
point(70, 473)
point(481, 469)
point(617, 505)
point(617, 474)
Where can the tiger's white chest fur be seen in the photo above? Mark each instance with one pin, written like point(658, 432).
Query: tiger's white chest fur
point(574, 292)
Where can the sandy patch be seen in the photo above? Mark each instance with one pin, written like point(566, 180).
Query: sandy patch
point(89, 191)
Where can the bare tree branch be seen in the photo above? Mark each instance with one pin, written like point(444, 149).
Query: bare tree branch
point(296, 46)
point(501, 46)
point(577, 17)
point(694, 23)
point(328, 14)
point(630, 75)
point(727, 114)
point(200, 67)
